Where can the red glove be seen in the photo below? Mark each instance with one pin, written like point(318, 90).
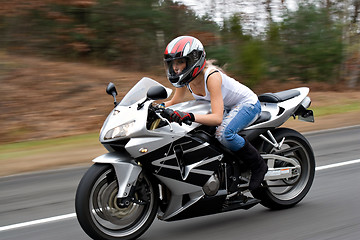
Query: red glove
point(181, 117)
point(178, 116)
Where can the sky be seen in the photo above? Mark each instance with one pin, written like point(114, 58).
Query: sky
point(253, 9)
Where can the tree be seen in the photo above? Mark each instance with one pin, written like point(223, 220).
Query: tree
point(312, 44)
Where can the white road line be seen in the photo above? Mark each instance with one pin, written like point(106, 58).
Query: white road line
point(35, 222)
point(337, 165)
point(72, 215)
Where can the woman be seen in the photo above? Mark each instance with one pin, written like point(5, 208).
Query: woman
point(233, 105)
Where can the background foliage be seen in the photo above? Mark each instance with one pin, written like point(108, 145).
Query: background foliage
point(316, 42)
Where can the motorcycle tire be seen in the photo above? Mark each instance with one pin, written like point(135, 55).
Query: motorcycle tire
point(297, 187)
point(98, 212)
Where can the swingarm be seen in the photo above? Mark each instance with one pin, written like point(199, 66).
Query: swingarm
point(291, 167)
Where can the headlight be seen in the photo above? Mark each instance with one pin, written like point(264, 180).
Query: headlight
point(119, 131)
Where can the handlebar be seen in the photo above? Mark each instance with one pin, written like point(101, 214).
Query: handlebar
point(188, 122)
point(160, 110)
point(158, 113)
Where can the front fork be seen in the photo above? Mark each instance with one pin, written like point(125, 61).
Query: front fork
point(126, 169)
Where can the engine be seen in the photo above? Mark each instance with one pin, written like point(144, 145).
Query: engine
point(211, 187)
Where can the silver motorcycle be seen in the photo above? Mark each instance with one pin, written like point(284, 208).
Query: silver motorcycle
point(158, 168)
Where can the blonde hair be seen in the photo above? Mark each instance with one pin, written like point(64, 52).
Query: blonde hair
point(211, 63)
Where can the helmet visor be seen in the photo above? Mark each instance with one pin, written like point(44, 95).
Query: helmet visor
point(176, 66)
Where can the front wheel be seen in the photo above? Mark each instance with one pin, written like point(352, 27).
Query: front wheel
point(286, 193)
point(99, 213)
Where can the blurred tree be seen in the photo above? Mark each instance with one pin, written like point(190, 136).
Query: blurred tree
point(312, 44)
point(123, 32)
point(242, 54)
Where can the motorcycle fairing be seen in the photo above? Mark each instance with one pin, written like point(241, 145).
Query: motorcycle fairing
point(184, 166)
point(194, 165)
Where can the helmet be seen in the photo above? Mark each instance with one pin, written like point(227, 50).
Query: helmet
point(192, 51)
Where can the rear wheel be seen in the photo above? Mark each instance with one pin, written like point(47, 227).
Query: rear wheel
point(99, 212)
point(294, 189)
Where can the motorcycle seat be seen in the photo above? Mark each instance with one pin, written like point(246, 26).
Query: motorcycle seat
point(263, 117)
point(279, 96)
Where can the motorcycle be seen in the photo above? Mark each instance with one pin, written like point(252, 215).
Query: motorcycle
point(159, 168)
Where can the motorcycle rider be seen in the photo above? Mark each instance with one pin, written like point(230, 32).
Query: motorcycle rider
point(233, 105)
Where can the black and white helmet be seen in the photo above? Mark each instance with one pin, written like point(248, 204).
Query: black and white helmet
point(192, 51)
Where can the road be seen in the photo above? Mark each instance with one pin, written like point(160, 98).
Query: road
point(329, 211)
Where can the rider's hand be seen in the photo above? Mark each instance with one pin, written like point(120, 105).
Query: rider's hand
point(181, 117)
point(167, 113)
point(178, 116)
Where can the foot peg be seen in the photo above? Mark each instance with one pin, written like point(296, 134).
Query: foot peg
point(242, 202)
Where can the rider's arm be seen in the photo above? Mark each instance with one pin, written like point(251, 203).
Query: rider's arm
point(178, 97)
point(217, 104)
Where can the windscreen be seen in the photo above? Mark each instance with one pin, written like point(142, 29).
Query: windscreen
point(139, 91)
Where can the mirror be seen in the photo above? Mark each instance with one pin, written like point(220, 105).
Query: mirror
point(111, 89)
point(157, 93)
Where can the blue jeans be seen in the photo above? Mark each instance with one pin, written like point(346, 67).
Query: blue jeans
point(238, 118)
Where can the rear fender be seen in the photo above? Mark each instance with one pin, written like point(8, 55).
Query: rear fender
point(126, 169)
point(283, 110)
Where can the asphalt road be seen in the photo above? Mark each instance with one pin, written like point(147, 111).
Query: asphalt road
point(331, 210)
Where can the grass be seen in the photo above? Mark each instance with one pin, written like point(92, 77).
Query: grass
point(28, 148)
point(336, 109)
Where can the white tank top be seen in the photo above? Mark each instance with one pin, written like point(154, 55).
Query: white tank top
point(233, 92)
